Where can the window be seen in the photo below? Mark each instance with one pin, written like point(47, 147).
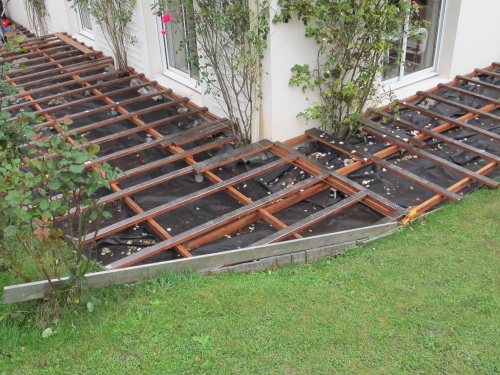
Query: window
point(84, 19)
point(420, 46)
point(179, 42)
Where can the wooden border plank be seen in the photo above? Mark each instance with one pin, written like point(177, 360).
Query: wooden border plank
point(73, 43)
point(41, 289)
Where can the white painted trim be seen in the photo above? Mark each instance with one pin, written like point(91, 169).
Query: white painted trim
point(188, 82)
point(404, 80)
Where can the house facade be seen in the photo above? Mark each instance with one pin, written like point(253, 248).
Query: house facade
point(459, 35)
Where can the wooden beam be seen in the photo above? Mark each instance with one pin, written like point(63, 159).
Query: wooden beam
point(311, 219)
point(73, 43)
point(450, 120)
point(464, 107)
point(179, 201)
point(469, 93)
point(436, 159)
point(448, 140)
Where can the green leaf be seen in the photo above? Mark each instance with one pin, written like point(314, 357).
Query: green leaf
point(44, 205)
point(10, 231)
point(93, 149)
point(91, 188)
point(54, 185)
point(47, 333)
point(76, 168)
point(81, 158)
point(55, 205)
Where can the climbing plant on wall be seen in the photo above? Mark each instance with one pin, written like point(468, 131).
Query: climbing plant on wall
point(354, 38)
point(112, 16)
point(36, 11)
point(231, 37)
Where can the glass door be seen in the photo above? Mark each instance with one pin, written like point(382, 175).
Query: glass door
point(419, 45)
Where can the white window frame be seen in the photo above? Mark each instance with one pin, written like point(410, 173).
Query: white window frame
point(402, 79)
point(170, 71)
point(85, 31)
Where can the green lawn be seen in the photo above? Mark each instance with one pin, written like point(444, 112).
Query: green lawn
point(423, 301)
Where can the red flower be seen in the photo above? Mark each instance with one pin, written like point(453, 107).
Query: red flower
point(166, 18)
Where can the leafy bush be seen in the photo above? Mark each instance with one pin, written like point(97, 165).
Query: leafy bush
point(47, 196)
point(353, 38)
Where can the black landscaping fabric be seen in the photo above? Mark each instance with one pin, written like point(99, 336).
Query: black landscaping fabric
point(377, 179)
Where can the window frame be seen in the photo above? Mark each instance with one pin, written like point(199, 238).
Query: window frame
point(84, 30)
point(401, 79)
point(168, 70)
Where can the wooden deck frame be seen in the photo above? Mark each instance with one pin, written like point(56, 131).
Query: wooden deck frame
point(366, 156)
point(401, 142)
point(452, 121)
point(66, 93)
point(320, 178)
point(448, 140)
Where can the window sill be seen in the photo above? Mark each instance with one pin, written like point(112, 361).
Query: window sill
point(87, 34)
point(185, 81)
point(180, 85)
point(406, 89)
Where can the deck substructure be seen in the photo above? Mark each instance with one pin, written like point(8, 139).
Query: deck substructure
point(186, 190)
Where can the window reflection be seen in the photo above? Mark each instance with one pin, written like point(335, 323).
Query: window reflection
point(419, 44)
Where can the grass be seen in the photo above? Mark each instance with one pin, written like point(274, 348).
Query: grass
point(423, 301)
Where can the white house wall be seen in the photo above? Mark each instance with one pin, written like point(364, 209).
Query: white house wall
point(282, 102)
point(16, 11)
point(477, 36)
point(471, 38)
